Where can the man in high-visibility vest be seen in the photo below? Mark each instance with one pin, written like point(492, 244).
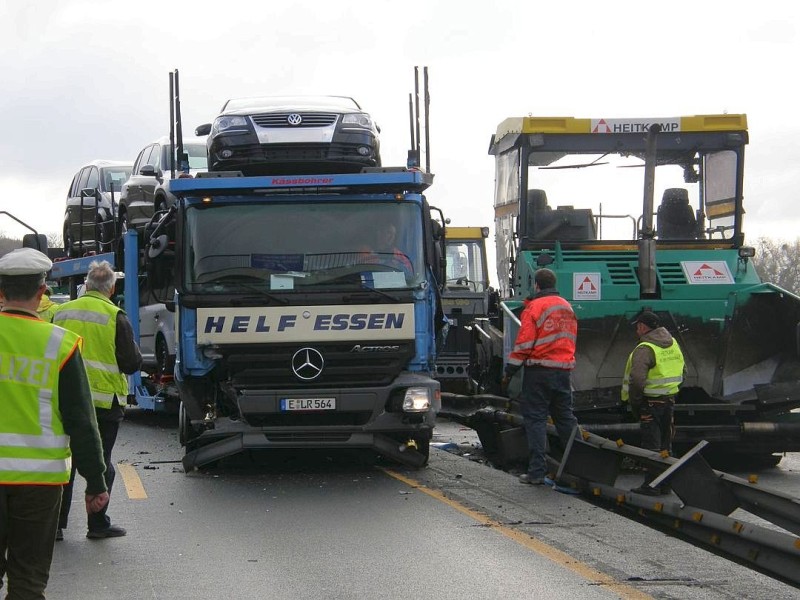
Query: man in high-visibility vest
point(653, 375)
point(47, 307)
point(110, 353)
point(545, 347)
point(46, 421)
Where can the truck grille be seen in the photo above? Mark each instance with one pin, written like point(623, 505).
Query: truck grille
point(257, 369)
point(309, 119)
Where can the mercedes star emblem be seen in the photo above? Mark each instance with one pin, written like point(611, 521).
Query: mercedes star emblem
point(307, 363)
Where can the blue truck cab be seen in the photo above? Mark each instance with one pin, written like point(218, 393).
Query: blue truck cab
point(307, 312)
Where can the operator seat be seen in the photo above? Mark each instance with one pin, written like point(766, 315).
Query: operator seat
point(535, 212)
point(676, 219)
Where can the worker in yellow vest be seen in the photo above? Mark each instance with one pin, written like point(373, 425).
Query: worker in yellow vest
point(110, 353)
point(47, 307)
point(653, 375)
point(46, 421)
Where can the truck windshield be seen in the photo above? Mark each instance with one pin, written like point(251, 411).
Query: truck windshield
point(465, 265)
point(287, 246)
point(599, 196)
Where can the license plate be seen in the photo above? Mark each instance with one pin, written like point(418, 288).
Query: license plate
point(308, 404)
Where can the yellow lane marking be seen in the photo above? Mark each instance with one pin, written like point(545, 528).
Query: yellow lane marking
point(625, 592)
point(133, 485)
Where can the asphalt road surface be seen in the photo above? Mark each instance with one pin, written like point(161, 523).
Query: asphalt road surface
point(325, 525)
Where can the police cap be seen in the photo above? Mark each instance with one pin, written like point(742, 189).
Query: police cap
point(24, 261)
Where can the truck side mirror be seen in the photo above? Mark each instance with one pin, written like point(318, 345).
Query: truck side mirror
point(37, 241)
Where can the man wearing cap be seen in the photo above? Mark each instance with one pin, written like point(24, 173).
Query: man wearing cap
point(653, 375)
point(545, 347)
point(46, 419)
point(111, 353)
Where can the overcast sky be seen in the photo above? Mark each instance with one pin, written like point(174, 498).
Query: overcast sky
point(89, 79)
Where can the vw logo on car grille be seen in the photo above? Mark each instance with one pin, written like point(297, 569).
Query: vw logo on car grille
point(294, 119)
point(307, 363)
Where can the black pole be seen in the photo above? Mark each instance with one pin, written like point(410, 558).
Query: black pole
point(172, 125)
point(427, 123)
point(411, 120)
point(416, 107)
point(183, 163)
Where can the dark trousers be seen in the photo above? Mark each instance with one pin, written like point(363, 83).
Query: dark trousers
point(545, 391)
point(657, 427)
point(99, 520)
point(655, 420)
point(28, 519)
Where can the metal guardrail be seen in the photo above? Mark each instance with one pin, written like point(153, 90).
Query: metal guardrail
point(705, 499)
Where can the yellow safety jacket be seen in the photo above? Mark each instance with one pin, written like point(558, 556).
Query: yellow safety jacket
point(34, 450)
point(664, 378)
point(94, 317)
point(47, 308)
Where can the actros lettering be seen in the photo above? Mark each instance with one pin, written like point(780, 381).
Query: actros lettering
point(360, 348)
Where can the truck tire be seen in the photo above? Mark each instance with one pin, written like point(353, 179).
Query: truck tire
point(186, 433)
point(165, 362)
point(423, 447)
point(120, 243)
point(68, 249)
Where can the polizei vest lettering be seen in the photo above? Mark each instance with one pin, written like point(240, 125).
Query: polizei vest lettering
point(22, 369)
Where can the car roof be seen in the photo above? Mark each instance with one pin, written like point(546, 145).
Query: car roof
point(187, 139)
point(292, 103)
point(99, 162)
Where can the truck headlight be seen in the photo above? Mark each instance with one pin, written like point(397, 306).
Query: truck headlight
point(417, 399)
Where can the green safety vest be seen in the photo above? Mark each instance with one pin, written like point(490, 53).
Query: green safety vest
point(94, 317)
point(47, 308)
point(664, 378)
point(34, 449)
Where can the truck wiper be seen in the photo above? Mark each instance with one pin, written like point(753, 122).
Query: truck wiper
point(595, 163)
point(263, 293)
point(372, 291)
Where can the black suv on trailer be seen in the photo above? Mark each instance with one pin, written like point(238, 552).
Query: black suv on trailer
point(292, 134)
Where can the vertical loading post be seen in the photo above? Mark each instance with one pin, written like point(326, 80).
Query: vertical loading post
point(647, 242)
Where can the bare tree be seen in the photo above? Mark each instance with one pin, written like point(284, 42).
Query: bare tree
point(778, 262)
point(54, 240)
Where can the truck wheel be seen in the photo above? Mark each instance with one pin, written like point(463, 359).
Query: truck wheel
point(165, 362)
point(123, 228)
point(424, 448)
point(161, 205)
point(186, 433)
point(68, 245)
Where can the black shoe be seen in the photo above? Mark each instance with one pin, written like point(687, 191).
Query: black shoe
point(59, 535)
point(646, 490)
point(527, 479)
point(111, 531)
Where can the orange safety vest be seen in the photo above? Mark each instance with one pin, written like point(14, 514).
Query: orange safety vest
point(547, 334)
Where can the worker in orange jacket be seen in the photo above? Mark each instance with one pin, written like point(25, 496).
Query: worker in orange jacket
point(545, 348)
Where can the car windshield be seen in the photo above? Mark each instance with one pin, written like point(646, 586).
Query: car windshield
point(289, 246)
point(198, 156)
point(115, 176)
point(289, 102)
